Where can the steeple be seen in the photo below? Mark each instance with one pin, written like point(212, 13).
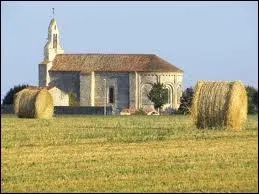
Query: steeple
point(52, 47)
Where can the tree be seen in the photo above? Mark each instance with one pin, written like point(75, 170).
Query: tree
point(158, 95)
point(252, 95)
point(186, 101)
point(9, 97)
point(73, 99)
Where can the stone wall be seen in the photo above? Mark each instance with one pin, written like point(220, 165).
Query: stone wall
point(42, 74)
point(59, 97)
point(44, 77)
point(130, 89)
point(172, 81)
point(9, 109)
point(85, 110)
point(66, 81)
point(85, 90)
point(120, 83)
point(133, 90)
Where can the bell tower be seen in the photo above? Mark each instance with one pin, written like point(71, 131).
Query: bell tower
point(52, 47)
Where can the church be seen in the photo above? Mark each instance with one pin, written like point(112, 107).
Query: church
point(98, 79)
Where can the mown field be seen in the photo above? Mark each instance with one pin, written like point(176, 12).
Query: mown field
point(126, 154)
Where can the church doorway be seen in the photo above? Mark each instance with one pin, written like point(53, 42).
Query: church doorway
point(111, 95)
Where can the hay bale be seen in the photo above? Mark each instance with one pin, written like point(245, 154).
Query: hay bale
point(219, 104)
point(34, 103)
point(17, 97)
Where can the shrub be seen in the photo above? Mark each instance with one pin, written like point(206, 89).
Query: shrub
point(186, 102)
point(139, 112)
point(9, 97)
point(73, 99)
point(252, 94)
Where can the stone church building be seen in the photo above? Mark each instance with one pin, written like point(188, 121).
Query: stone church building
point(122, 80)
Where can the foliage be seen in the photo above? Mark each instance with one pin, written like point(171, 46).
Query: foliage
point(126, 154)
point(186, 101)
point(73, 99)
point(140, 112)
point(158, 95)
point(252, 95)
point(9, 97)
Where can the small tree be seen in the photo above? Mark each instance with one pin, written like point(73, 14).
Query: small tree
point(73, 99)
point(252, 95)
point(9, 97)
point(186, 101)
point(158, 95)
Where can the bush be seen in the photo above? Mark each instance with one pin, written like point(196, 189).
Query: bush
point(73, 99)
point(9, 97)
point(252, 95)
point(140, 112)
point(186, 101)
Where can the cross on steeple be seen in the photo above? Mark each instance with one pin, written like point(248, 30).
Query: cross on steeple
point(53, 12)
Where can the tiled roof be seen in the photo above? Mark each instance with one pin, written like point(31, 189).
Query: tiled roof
point(85, 63)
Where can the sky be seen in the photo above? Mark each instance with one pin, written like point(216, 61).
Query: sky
point(207, 40)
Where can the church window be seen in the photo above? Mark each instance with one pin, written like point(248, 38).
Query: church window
point(55, 41)
point(111, 94)
point(167, 95)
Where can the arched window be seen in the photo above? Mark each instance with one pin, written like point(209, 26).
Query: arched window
point(55, 41)
point(111, 94)
point(167, 95)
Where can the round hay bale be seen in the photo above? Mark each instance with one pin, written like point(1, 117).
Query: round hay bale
point(219, 104)
point(17, 97)
point(34, 103)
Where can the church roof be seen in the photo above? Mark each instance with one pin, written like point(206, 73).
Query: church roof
point(112, 62)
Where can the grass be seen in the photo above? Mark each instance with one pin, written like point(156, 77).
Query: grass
point(126, 154)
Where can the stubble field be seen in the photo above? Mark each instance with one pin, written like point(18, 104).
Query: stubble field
point(126, 154)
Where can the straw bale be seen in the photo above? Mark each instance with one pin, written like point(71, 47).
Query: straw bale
point(17, 97)
point(34, 103)
point(219, 104)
